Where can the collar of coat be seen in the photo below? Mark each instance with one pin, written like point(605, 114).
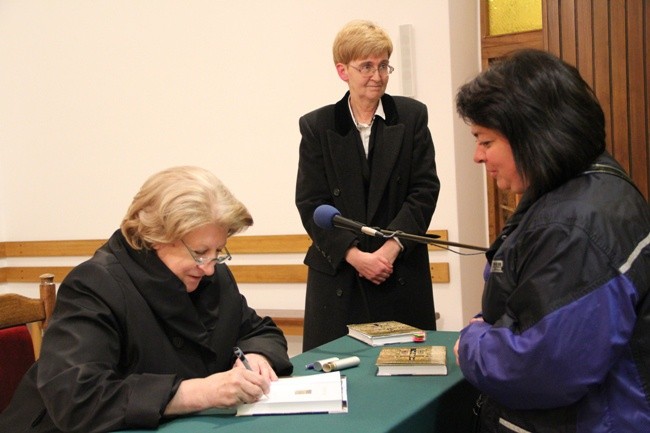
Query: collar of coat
point(189, 315)
point(344, 122)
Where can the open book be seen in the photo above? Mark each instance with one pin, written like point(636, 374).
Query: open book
point(320, 393)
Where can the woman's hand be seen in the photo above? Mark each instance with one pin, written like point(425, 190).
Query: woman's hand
point(261, 365)
point(456, 351)
point(230, 388)
point(472, 320)
point(374, 267)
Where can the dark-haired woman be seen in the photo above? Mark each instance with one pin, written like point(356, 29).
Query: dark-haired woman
point(563, 340)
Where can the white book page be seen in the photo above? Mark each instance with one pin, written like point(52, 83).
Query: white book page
point(318, 393)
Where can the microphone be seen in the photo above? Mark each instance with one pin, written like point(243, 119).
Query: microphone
point(327, 217)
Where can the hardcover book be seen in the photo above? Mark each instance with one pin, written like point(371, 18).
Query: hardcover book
point(412, 361)
point(390, 332)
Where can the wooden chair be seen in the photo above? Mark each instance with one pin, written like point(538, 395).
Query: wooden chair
point(22, 322)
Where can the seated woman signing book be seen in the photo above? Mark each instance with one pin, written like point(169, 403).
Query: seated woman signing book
point(145, 329)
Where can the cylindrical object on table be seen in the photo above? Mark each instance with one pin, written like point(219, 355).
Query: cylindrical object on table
point(341, 364)
point(318, 365)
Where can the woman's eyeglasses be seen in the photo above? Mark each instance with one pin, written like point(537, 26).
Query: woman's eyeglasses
point(368, 70)
point(200, 260)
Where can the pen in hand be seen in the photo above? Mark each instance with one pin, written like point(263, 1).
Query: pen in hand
point(239, 354)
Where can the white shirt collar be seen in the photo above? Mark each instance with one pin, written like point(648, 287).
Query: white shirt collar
point(378, 112)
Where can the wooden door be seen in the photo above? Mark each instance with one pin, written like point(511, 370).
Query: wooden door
point(609, 43)
point(501, 204)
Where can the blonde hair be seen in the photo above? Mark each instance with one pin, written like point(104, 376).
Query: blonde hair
point(360, 39)
point(175, 201)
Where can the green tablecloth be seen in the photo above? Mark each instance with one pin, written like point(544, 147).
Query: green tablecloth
point(376, 404)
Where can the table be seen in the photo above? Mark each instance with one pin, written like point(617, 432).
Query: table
point(410, 404)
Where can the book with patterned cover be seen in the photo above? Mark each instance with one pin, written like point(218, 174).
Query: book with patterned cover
point(412, 361)
point(389, 332)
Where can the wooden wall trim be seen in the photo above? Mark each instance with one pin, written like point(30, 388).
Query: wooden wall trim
point(269, 244)
point(253, 274)
point(291, 322)
point(31, 274)
point(290, 325)
point(67, 248)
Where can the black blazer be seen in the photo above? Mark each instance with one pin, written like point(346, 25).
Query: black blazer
point(396, 188)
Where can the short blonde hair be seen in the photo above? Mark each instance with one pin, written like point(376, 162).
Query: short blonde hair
point(176, 201)
point(360, 39)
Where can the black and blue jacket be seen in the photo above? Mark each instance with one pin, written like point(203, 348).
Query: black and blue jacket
point(565, 342)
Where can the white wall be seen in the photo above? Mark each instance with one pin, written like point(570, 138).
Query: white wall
point(96, 96)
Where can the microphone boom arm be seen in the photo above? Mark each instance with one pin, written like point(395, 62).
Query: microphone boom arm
point(327, 217)
point(427, 240)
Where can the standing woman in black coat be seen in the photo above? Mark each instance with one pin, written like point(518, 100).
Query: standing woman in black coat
point(371, 156)
point(145, 329)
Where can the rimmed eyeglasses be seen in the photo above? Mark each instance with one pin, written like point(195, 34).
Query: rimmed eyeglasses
point(200, 260)
point(369, 70)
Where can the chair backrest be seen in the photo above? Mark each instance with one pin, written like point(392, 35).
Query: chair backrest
point(21, 346)
point(18, 310)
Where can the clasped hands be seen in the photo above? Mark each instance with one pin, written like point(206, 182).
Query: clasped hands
point(377, 266)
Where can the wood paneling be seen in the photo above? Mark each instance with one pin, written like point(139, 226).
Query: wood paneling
point(609, 43)
point(493, 47)
point(585, 35)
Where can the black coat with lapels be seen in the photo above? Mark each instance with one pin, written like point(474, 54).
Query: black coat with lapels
point(395, 188)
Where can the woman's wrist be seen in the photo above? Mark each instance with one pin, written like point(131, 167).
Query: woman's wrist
point(352, 254)
point(186, 399)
